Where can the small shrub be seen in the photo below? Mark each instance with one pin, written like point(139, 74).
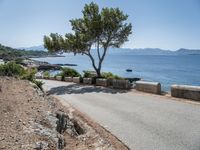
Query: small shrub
point(109, 75)
point(46, 74)
point(15, 70)
point(38, 83)
point(19, 60)
point(11, 69)
point(29, 74)
point(69, 72)
point(89, 74)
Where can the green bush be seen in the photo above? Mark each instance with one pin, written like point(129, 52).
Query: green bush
point(19, 60)
point(87, 74)
point(11, 69)
point(29, 74)
point(109, 75)
point(46, 74)
point(15, 70)
point(69, 72)
point(38, 83)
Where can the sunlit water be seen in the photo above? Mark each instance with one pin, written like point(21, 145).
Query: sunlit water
point(167, 70)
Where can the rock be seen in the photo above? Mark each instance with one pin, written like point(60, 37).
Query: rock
point(61, 142)
point(71, 125)
point(41, 145)
point(62, 122)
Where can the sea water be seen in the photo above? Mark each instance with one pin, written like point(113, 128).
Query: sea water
point(166, 69)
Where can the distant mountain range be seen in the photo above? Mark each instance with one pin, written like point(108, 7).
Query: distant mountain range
point(36, 48)
point(136, 51)
point(156, 51)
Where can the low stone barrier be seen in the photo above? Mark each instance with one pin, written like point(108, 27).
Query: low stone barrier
point(45, 77)
point(101, 82)
point(110, 82)
point(121, 84)
point(59, 78)
point(68, 79)
point(77, 79)
point(52, 78)
point(39, 77)
point(87, 80)
point(150, 87)
point(186, 91)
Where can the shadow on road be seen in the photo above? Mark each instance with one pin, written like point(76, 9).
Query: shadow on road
point(81, 89)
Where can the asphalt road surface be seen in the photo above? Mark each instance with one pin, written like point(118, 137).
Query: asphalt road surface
point(141, 121)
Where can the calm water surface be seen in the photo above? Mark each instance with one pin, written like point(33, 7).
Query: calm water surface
point(165, 69)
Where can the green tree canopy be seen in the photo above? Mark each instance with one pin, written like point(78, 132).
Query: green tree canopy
point(99, 29)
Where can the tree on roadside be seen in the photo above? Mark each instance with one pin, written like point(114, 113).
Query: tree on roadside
point(99, 29)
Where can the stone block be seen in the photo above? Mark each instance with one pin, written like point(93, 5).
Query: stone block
point(149, 87)
point(68, 79)
point(101, 82)
point(186, 91)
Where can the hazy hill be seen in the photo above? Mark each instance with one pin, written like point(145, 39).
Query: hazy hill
point(139, 51)
point(155, 51)
point(35, 48)
point(183, 51)
point(8, 53)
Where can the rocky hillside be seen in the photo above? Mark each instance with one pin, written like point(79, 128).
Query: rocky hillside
point(32, 120)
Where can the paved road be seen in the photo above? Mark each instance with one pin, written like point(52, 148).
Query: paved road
point(142, 121)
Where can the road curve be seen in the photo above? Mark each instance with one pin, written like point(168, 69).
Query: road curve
point(142, 121)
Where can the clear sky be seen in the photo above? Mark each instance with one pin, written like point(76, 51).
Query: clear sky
point(167, 24)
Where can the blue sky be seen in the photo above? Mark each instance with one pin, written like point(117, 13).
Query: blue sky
point(167, 24)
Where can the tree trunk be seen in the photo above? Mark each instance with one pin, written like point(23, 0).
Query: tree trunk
point(98, 71)
point(101, 58)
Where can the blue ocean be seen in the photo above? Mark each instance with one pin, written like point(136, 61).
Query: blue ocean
point(166, 69)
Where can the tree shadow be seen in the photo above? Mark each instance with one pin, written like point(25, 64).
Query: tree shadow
point(81, 89)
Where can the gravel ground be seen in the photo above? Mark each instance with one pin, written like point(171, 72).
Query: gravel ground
point(32, 120)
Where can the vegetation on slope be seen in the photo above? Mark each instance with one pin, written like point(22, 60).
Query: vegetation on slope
point(8, 53)
point(15, 70)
